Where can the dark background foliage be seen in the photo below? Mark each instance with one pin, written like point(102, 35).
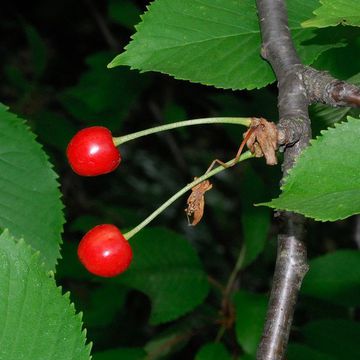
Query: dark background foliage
point(54, 57)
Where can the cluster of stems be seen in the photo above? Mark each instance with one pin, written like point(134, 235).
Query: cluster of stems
point(244, 121)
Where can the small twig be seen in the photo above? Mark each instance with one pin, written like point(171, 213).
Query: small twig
point(322, 87)
point(216, 283)
point(225, 303)
point(237, 156)
point(238, 265)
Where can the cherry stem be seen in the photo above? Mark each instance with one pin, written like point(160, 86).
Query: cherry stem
point(245, 121)
point(159, 210)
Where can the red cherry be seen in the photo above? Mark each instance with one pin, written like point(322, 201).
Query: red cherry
point(104, 251)
point(92, 152)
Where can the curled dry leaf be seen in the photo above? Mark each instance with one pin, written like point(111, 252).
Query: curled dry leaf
point(196, 202)
point(263, 139)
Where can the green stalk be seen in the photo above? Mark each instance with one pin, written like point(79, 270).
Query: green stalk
point(230, 283)
point(216, 120)
point(159, 210)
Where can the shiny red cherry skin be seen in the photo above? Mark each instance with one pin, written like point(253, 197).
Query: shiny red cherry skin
point(92, 152)
point(104, 251)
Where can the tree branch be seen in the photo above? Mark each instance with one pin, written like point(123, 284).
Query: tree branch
point(322, 87)
point(299, 86)
point(294, 133)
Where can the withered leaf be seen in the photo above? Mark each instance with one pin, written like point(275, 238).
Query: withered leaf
point(263, 140)
point(196, 202)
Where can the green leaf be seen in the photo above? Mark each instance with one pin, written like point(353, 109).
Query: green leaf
point(247, 357)
point(250, 318)
point(213, 351)
point(167, 269)
point(167, 342)
point(335, 277)
point(37, 321)
point(340, 61)
point(121, 354)
point(214, 42)
point(324, 184)
point(30, 205)
point(95, 313)
point(178, 334)
point(302, 352)
point(53, 129)
point(327, 115)
point(339, 338)
point(256, 223)
point(335, 12)
point(119, 90)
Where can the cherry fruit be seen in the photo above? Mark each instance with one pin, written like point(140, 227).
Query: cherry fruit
point(92, 152)
point(104, 251)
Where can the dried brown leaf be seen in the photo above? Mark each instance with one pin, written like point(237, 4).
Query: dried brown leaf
point(196, 202)
point(263, 140)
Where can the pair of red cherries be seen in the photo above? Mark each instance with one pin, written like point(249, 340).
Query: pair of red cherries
point(104, 251)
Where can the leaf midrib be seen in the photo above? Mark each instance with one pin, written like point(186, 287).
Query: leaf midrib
point(210, 39)
point(305, 198)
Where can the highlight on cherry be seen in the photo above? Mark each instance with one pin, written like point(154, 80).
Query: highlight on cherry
point(92, 152)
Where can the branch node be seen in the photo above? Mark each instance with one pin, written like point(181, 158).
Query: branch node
point(290, 130)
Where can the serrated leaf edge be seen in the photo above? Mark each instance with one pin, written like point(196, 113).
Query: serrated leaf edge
point(35, 254)
point(117, 62)
point(51, 167)
point(324, 132)
point(313, 22)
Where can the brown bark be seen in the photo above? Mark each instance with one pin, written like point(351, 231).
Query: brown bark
point(298, 86)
